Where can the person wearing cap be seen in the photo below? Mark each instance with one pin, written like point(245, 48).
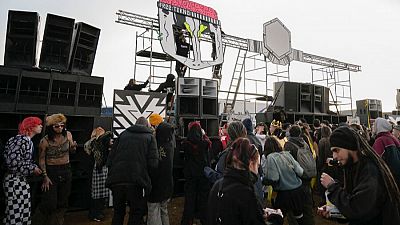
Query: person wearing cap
point(369, 194)
point(19, 164)
point(387, 146)
point(55, 148)
point(396, 131)
point(248, 124)
point(155, 119)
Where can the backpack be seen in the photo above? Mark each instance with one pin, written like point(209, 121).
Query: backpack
point(306, 161)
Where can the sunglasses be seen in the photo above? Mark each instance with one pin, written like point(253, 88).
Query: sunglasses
point(58, 126)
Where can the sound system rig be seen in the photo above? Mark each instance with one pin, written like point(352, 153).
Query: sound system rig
point(196, 100)
point(62, 83)
point(302, 100)
point(368, 109)
point(67, 46)
point(21, 39)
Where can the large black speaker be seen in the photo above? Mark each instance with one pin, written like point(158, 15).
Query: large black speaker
point(321, 99)
point(57, 41)
point(306, 98)
point(21, 39)
point(287, 95)
point(209, 98)
point(84, 49)
point(9, 78)
point(188, 97)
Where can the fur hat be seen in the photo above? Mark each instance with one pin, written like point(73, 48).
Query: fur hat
point(155, 119)
point(55, 118)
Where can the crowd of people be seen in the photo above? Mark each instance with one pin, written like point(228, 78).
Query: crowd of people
point(260, 174)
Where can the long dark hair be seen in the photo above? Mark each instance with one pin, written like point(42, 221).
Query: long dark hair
point(271, 145)
point(52, 134)
point(240, 154)
point(367, 152)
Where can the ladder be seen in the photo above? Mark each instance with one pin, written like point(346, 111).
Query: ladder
point(235, 81)
point(216, 70)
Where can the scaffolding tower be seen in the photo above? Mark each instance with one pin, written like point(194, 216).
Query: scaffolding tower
point(246, 83)
point(339, 83)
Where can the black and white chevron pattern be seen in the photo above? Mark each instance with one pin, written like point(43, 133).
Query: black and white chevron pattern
point(130, 105)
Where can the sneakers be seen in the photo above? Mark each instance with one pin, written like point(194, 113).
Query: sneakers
point(98, 218)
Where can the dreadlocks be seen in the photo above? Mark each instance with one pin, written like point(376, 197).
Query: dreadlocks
point(366, 151)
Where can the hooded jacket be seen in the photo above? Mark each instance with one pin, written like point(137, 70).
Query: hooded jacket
point(132, 155)
point(367, 202)
point(238, 203)
point(161, 177)
point(169, 83)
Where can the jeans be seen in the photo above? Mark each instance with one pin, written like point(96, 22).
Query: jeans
point(158, 213)
point(134, 196)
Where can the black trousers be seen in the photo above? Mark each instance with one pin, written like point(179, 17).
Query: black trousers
point(134, 196)
point(196, 197)
point(308, 216)
point(54, 202)
point(180, 69)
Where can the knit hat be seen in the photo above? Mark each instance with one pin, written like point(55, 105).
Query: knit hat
point(155, 119)
point(55, 118)
point(344, 137)
point(382, 125)
point(236, 129)
point(248, 125)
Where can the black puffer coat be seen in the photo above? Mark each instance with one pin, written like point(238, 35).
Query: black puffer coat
point(132, 155)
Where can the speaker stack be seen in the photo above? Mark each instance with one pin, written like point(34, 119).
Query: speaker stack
point(84, 49)
point(63, 83)
point(67, 47)
point(49, 92)
point(368, 109)
point(197, 100)
point(57, 41)
point(21, 39)
point(301, 97)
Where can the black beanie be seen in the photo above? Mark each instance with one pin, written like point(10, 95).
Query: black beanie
point(344, 137)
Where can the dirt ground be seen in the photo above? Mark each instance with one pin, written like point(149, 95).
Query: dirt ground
point(175, 212)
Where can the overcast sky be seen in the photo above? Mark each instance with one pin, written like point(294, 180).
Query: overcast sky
point(354, 31)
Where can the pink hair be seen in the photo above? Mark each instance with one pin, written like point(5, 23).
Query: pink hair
point(28, 124)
